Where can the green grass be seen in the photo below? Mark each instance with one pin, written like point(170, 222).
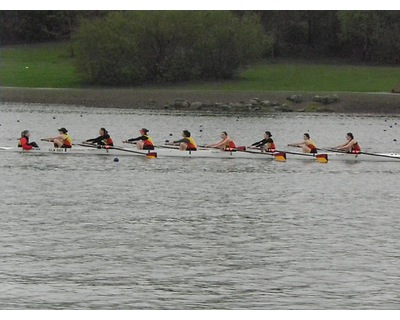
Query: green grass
point(50, 66)
point(311, 78)
point(40, 65)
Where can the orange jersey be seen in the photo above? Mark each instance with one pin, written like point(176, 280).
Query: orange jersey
point(67, 141)
point(191, 143)
point(148, 142)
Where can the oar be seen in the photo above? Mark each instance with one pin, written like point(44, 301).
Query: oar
point(319, 157)
point(280, 155)
point(362, 152)
point(168, 147)
point(238, 148)
point(332, 150)
point(148, 155)
point(379, 155)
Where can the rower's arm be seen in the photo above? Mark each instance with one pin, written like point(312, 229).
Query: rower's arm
point(343, 146)
point(258, 143)
point(137, 139)
point(296, 144)
point(185, 140)
point(95, 140)
point(219, 144)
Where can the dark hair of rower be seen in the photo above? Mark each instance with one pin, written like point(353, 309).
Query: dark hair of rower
point(186, 133)
point(104, 130)
point(24, 133)
point(350, 135)
point(307, 135)
point(225, 133)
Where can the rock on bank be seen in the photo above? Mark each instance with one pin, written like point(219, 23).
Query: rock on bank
point(230, 101)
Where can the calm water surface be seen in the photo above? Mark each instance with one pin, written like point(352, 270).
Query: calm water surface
point(85, 232)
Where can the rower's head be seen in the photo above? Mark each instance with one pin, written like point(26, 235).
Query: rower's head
point(224, 134)
point(63, 130)
point(306, 136)
point(186, 133)
point(143, 131)
point(267, 134)
point(25, 133)
point(349, 136)
point(103, 131)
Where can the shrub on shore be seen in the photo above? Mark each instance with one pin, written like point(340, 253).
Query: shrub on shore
point(138, 47)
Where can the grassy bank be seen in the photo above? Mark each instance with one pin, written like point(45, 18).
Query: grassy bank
point(51, 66)
point(38, 66)
point(158, 98)
point(292, 76)
point(45, 74)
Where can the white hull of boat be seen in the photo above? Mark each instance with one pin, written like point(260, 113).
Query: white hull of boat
point(207, 153)
point(161, 152)
point(69, 151)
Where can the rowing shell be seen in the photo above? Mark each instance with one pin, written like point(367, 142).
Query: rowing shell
point(65, 151)
point(161, 152)
point(209, 153)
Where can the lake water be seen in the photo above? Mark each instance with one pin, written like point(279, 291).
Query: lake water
point(85, 232)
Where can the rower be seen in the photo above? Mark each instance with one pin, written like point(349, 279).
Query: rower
point(103, 140)
point(24, 141)
point(63, 140)
point(266, 144)
point(143, 142)
point(308, 146)
point(351, 145)
point(187, 142)
point(225, 144)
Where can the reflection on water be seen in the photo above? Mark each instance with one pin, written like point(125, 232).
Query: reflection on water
point(85, 232)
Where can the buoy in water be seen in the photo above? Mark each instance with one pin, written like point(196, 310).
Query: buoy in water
point(116, 160)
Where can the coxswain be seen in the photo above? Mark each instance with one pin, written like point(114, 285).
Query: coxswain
point(187, 142)
point(24, 141)
point(103, 140)
point(266, 144)
point(225, 144)
point(143, 142)
point(63, 140)
point(308, 146)
point(351, 145)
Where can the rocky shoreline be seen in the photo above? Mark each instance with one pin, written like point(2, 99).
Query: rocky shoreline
point(210, 100)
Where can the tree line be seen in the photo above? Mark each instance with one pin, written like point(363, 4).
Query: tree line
point(133, 47)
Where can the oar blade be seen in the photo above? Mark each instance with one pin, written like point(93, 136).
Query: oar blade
point(322, 158)
point(280, 156)
point(151, 155)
